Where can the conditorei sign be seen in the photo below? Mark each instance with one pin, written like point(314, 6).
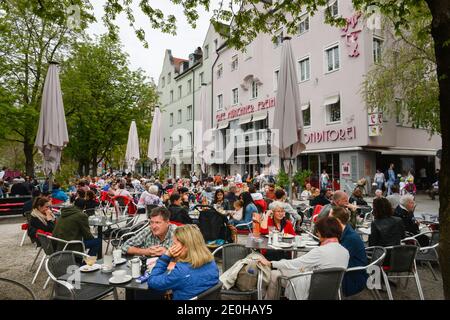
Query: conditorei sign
point(331, 135)
point(237, 112)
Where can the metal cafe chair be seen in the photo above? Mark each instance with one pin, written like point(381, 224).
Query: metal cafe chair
point(427, 254)
point(212, 293)
point(14, 290)
point(325, 284)
point(375, 257)
point(231, 253)
point(402, 260)
point(58, 265)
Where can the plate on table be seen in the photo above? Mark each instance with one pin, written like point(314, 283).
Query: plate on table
point(125, 279)
point(283, 245)
point(120, 261)
point(288, 236)
point(311, 243)
point(87, 268)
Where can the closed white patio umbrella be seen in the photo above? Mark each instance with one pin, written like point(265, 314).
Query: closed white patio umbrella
point(155, 147)
point(201, 127)
point(132, 154)
point(288, 121)
point(52, 134)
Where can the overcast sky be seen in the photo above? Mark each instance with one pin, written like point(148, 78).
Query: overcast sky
point(151, 59)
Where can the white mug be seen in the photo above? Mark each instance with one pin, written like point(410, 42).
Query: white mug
point(119, 275)
point(117, 254)
point(135, 268)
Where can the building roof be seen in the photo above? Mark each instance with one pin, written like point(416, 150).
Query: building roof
point(177, 62)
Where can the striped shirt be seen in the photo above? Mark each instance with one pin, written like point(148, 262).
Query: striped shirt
point(146, 239)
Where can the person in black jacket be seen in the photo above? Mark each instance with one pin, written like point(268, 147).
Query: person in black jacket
point(405, 211)
point(42, 218)
point(321, 199)
point(386, 230)
point(177, 212)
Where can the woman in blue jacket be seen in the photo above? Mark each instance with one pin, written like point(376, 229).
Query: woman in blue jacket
point(195, 270)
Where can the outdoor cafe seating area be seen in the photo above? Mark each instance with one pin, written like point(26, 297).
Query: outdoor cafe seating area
point(112, 274)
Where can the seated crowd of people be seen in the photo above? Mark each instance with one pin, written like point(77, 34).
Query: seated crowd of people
point(173, 236)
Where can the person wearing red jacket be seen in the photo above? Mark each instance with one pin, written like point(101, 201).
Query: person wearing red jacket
point(278, 220)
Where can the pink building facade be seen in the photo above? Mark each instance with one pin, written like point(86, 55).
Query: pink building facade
point(342, 134)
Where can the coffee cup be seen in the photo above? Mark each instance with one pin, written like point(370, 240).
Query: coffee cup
point(117, 254)
point(119, 275)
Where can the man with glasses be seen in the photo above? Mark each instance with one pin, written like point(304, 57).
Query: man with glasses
point(154, 240)
point(405, 211)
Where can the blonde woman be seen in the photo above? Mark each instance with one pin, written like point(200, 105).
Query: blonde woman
point(195, 270)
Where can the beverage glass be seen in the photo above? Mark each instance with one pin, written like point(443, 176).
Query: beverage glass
point(108, 261)
point(90, 260)
point(117, 254)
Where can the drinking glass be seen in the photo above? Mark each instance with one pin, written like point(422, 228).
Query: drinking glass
point(90, 260)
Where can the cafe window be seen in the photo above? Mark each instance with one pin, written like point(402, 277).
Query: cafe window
point(306, 113)
point(235, 96)
point(254, 90)
point(234, 62)
point(334, 112)
point(219, 71)
point(220, 102)
point(171, 119)
point(304, 67)
point(332, 58)
point(303, 25)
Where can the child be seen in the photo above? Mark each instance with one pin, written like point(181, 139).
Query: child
point(238, 206)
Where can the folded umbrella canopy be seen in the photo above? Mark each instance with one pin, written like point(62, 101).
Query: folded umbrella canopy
point(288, 121)
point(52, 134)
point(202, 132)
point(132, 154)
point(155, 147)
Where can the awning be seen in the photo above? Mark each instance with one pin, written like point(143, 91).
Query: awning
point(305, 106)
point(245, 120)
point(332, 150)
point(222, 125)
point(259, 117)
point(331, 100)
point(404, 151)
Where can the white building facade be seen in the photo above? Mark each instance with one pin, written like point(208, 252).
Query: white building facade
point(179, 89)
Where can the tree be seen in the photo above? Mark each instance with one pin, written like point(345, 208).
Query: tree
point(29, 39)
point(101, 97)
point(405, 79)
point(257, 16)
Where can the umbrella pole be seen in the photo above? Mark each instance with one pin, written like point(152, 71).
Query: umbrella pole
point(50, 182)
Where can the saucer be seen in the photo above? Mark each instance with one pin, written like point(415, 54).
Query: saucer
point(282, 245)
point(126, 278)
point(121, 261)
point(87, 268)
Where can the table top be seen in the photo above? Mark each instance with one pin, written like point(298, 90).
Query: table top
point(263, 244)
point(103, 221)
point(100, 278)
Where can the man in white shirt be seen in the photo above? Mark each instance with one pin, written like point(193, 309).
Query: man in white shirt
point(2, 173)
point(237, 177)
point(194, 178)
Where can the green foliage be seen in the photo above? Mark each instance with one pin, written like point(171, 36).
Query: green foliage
point(163, 173)
point(404, 85)
point(282, 179)
point(30, 36)
point(101, 98)
point(300, 177)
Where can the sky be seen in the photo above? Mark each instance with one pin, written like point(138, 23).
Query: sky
point(150, 60)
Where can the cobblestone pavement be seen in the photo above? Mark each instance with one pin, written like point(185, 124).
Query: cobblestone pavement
point(15, 264)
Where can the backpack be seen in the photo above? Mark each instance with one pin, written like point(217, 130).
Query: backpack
point(247, 277)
